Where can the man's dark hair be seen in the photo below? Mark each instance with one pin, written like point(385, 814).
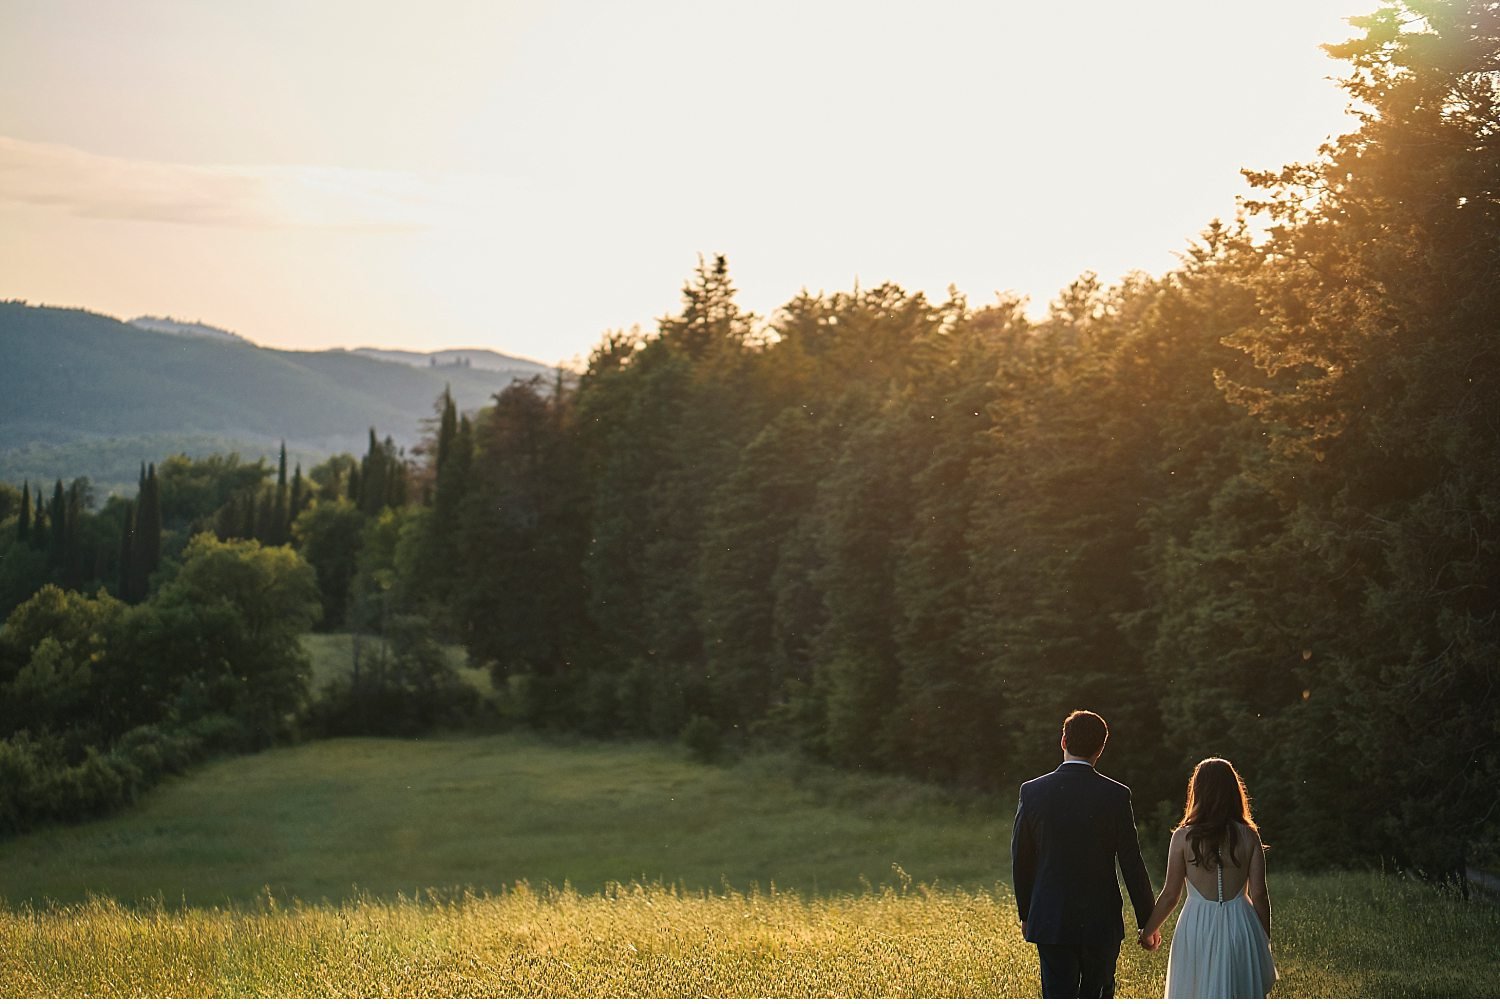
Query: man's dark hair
point(1084, 734)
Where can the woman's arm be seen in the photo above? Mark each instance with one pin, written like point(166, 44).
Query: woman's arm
point(1171, 887)
point(1260, 897)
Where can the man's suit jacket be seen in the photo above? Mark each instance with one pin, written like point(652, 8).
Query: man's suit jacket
point(1071, 827)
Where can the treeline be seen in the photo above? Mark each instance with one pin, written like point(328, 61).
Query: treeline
point(1247, 508)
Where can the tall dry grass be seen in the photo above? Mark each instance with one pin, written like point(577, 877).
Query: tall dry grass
point(1337, 936)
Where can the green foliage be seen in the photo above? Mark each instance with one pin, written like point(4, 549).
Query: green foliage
point(405, 686)
point(250, 604)
point(12, 501)
point(53, 666)
point(328, 535)
point(520, 540)
point(99, 699)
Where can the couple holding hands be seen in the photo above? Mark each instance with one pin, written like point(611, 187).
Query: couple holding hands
point(1073, 824)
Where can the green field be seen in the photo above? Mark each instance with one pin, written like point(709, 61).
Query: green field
point(332, 819)
point(512, 866)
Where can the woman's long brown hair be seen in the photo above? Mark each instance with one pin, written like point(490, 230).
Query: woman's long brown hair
point(1215, 798)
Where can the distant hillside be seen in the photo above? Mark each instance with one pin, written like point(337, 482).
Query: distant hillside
point(193, 329)
point(479, 359)
point(85, 394)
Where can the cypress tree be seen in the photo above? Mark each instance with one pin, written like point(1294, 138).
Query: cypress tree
point(395, 475)
point(57, 515)
point(146, 551)
point(278, 520)
point(453, 478)
point(372, 478)
point(39, 529)
point(447, 429)
point(299, 498)
point(23, 525)
point(127, 542)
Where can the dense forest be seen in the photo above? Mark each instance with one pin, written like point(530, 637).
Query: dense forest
point(1246, 508)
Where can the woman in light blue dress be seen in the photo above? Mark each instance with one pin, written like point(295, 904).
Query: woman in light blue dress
point(1222, 944)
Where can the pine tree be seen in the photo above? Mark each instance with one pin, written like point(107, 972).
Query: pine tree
point(23, 525)
point(1380, 395)
point(447, 429)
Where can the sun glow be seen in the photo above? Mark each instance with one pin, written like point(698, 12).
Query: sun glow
point(530, 174)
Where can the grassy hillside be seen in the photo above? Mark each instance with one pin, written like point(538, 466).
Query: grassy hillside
point(78, 390)
point(394, 817)
point(391, 816)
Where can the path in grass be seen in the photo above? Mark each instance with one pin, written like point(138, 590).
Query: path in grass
point(383, 816)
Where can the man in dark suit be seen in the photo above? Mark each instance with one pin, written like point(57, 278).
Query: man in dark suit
point(1072, 825)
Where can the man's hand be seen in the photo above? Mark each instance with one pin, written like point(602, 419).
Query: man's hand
point(1150, 942)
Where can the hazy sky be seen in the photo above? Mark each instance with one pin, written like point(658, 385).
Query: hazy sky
point(524, 176)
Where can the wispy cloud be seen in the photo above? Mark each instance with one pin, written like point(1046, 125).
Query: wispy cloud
point(90, 185)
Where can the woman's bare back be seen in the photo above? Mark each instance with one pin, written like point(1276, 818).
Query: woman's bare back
point(1204, 876)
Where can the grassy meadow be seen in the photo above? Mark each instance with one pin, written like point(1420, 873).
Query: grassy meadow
point(332, 820)
point(510, 866)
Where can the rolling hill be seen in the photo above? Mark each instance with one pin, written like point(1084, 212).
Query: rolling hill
point(85, 394)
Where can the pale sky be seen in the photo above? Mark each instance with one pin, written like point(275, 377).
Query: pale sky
point(523, 175)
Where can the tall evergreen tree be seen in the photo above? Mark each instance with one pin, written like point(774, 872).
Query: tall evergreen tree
point(447, 429)
point(74, 570)
point(146, 553)
point(40, 533)
point(298, 498)
point(1380, 394)
point(23, 524)
point(57, 515)
point(127, 553)
point(278, 525)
